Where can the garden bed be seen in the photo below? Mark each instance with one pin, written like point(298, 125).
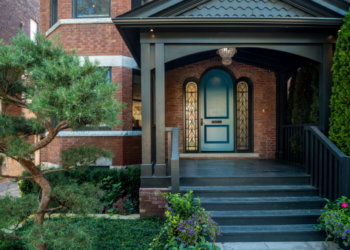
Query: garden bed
point(109, 234)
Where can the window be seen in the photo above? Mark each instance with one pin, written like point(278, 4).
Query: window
point(191, 117)
point(136, 100)
point(242, 116)
point(53, 13)
point(137, 3)
point(33, 29)
point(91, 8)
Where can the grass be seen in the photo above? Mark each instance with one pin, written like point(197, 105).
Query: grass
point(110, 234)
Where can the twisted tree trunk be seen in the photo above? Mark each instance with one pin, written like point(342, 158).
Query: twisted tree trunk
point(45, 186)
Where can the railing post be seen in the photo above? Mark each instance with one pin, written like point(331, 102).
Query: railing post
point(175, 163)
point(346, 177)
point(306, 150)
point(169, 151)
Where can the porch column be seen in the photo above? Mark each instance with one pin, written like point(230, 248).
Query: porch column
point(146, 166)
point(326, 87)
point(160, 167)
point(282, 109)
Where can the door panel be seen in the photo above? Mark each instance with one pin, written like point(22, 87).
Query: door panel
point(217, 112)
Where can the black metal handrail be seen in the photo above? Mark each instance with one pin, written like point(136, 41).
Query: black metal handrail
point(328, 166)
point(294, 143)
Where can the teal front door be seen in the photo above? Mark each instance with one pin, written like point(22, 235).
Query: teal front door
point(216, 112)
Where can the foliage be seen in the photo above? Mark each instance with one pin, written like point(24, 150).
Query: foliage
point(187, 224)
point(303, 98)
point(104, 234)
point(294, 141)
point(340, 101)
point(123, 206)
point(336, 219)
point(129, 179)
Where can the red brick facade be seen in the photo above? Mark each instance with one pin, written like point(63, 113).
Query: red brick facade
point(152, 203)
point(264, 89)
point(14, 13)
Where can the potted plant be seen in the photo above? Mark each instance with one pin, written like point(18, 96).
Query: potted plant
point(335, 219)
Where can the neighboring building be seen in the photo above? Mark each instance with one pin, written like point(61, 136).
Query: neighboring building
point(164, 55)
point(14, 15)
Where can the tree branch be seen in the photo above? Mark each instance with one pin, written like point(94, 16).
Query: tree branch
point(17, 101)
point(61, 170)
point(52, 209)
point(17, 177)
point(13, 237)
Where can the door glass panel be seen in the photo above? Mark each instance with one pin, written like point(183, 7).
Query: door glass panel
point(216, 98)
point(191, 119)
point(242, 116)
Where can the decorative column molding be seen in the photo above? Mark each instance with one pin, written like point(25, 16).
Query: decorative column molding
point(146, 166)
point(160, 167)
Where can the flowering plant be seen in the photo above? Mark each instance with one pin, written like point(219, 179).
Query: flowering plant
point(336, 220)
point(123, 206)
point(187, 224)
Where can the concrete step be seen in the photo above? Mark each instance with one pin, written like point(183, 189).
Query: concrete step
point(253, 180)
point(266, 217)
point(273, 233)
point(262, 203)
point(252, 191)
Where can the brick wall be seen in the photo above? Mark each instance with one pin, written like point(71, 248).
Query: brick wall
point(152, 203)
point(126, 150)
point(264, 89)
point(13, 13)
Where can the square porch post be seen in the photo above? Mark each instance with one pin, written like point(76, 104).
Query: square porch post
point(146, 166)
point(160, 167)
point(326, 87)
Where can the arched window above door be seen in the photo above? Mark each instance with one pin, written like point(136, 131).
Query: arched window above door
point(191, 116)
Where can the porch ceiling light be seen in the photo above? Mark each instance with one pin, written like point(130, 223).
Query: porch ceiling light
point(226, 55)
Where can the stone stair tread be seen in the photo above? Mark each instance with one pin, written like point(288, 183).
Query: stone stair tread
point(265, 213)
point(261, 199)
point(247, 188)
point(242, 229)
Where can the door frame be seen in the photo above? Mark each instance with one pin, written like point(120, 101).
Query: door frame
point(235, 82)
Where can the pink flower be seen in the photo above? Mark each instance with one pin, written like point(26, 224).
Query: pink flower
point(344, 205)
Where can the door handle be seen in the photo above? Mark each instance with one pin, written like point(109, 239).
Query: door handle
point(202, 123)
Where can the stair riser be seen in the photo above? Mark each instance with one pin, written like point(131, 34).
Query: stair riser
point(262, 206)
point(244, 181)
point(272, 237)
point(283, 220)
point(254, 194)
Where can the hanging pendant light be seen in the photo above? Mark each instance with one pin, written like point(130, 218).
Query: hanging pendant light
point(226, 55)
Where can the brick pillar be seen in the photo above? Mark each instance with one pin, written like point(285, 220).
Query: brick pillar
point(152, 203)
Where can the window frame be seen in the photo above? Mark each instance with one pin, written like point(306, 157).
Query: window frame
point(32, 21)
point(134, 73)
point(147, 1)
point(75, 16)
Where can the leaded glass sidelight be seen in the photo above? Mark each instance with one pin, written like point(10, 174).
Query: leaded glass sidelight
point(191, 117)
point(242, 116)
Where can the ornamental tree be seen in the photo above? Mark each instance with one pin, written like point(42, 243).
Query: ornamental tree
point(54, 85)
point(339, 132)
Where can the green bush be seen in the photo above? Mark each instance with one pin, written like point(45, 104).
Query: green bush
point(105, 234)
point(129, 179)
point(340, 101)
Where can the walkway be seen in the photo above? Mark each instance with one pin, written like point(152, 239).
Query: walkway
point(277, 246)
point(11, 187)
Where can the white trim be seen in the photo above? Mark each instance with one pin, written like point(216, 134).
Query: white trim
point(219, 155)
point(113, 61)
point(98, 133)
point(78, 21)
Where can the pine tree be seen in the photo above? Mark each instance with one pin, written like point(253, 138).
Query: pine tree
point(339, 131)
point(51, 83)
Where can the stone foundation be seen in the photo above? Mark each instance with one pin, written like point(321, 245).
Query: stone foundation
point(152, 203)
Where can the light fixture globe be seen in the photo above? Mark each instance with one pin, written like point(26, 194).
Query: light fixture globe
point(226, 55)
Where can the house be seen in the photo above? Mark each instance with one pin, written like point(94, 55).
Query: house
point(16, 15)
point(206, 80)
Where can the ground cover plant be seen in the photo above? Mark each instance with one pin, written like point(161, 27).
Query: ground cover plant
point(54, 85)
point(336, 220)
point(104, 234)
point(339, 132)
point(188, 225)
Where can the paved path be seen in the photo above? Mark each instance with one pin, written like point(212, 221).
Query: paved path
point(277, 246)
point(11, 187)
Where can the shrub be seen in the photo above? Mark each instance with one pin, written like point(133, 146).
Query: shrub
point(339, 132)
point(336, 220)
point(187, 224)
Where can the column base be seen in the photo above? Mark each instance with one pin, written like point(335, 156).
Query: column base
point(146, 169)
point(160, 170)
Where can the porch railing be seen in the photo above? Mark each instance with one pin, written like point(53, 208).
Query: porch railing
point(294, 143)
point(327, 165)
point(173, 158)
